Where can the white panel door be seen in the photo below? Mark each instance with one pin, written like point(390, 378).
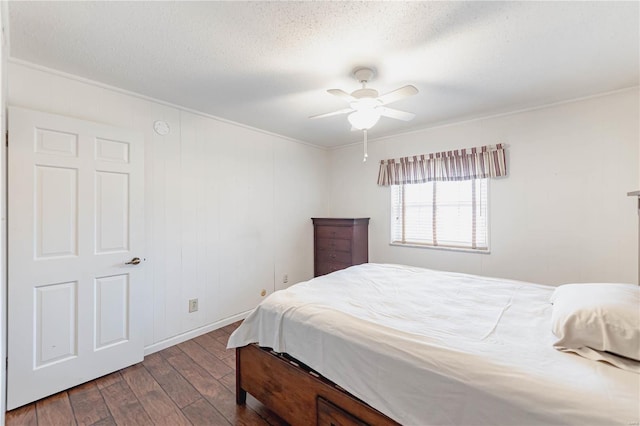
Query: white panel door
point(75, 218)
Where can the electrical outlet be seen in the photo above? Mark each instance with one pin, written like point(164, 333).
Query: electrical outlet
point(285, 278)
point(193, 305)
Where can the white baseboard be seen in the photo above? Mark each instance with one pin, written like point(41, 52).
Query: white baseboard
point(171, 341)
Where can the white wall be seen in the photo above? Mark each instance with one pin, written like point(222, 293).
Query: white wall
point(4, 44)
point(561, 215)
point(227, 207)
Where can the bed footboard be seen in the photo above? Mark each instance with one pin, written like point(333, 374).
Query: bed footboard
point(299, 396)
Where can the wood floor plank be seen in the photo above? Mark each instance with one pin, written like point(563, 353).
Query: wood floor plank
point(108, 380)
point(124, 406)
point(231, 327)
point(55, 410)
point(87, 403)
point(213, 346)
point(23, 416)
point(153, 398)
point(209, 362)
point(219, 396)
point(218, 333)
point(179, 390)
point(230, 360)
point(223, 339)
point(170, 351)
point(106, 422)
point(201, 413)
point(229, 381)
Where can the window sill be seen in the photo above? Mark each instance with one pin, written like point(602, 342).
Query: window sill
point(423, 246)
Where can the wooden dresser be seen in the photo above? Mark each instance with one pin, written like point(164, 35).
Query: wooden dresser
point(339, 243)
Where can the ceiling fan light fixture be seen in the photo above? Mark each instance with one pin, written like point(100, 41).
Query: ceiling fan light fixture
point(364, 118)
point(366, 106)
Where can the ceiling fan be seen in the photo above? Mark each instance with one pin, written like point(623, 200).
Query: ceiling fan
point(366, 106)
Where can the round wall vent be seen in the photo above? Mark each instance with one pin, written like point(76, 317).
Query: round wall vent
point(161, 127)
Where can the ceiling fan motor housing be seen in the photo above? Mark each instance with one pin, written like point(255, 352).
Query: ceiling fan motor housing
point(363, 74)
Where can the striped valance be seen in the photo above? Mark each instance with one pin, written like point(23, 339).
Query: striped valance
point(463, 164)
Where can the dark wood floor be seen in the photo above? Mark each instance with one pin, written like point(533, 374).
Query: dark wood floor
point(190, 383)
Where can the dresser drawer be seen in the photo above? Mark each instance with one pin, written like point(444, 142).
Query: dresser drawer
point(334, 256)
point(341, 232)
point(339, 243)
point(333, 244)
point(323, 268)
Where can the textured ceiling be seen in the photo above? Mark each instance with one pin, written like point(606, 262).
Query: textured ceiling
point(268, 64)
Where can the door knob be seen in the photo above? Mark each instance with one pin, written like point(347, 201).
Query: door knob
point(133, 261)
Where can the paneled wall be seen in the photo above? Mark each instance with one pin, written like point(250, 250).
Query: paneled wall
point(227, 208)
point(4, 53)
point(562, 215)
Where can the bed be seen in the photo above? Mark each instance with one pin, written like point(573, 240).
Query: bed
point(417, 346)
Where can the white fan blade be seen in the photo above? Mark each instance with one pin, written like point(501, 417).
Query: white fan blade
point(397, 114)
point(398, 94)
point(341, 94)
point(329, 114)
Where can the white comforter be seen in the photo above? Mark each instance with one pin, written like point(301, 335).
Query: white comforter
point(431, 347)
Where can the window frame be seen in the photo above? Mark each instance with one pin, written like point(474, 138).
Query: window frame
point(438, 247)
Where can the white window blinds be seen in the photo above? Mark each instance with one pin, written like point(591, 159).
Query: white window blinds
point(449, 214)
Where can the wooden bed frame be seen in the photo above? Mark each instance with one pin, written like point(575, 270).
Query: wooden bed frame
point(296, 393)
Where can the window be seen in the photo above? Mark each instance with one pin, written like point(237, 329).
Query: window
point(451, 214)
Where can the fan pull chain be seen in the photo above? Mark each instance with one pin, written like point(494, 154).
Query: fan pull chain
point(364, 159)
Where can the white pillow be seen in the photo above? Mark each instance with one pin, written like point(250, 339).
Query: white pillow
point(597, 320)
